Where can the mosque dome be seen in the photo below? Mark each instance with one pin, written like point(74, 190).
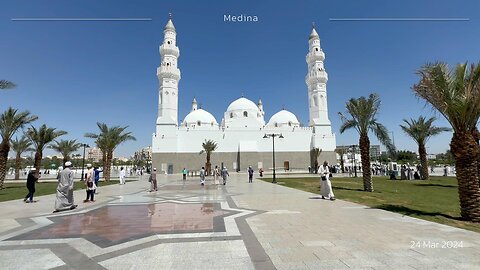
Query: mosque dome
point(199, 117)
point(284, 118)
point(242, 104)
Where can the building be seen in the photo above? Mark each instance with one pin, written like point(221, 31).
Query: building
point(240, 134)
point(375, 151)
point(143, 154)
point(94, 154)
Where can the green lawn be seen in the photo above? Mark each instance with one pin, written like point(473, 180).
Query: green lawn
point(16, 191)
point(435, 200)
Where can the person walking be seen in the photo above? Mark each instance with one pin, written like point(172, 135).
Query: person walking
point(224, 175)
point(202, 176)
point(184, 172)
point(97, 176)
point(90, 184)
point(31, 180)
point(250, 174)
point(122, 176)
point(64, 199)
point(325, 184)
point(153, 180)
point(216, 174)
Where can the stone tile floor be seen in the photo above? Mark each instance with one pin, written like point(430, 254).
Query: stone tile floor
point(237, 226)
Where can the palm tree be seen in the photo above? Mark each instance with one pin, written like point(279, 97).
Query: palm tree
point(363, 112)
point(4, 84)
point(66, 148)
point(456, 95)
point(41, 138)
point(208, 147)
point(421, 130)
point(20, 146)
point(341, 152)
point(10, 121)
point(107, 140)
point(314, 155)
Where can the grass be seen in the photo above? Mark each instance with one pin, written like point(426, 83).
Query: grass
point(434, 200)
point(16, 191)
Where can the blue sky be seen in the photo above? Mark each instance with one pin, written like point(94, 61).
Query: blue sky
point(73, 74)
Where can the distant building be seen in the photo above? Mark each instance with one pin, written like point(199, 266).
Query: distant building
point(143, 154)
point(94, 154)
point(375, 151)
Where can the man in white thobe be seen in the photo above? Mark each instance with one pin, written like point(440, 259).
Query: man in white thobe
point(122, 176)
point(64, 199)
point(325, 184)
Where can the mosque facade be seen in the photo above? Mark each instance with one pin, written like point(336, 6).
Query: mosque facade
point(240, 135)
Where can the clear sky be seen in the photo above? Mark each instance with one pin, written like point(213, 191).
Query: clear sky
point(73, 74)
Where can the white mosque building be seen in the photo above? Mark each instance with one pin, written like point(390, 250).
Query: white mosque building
point(240, 133)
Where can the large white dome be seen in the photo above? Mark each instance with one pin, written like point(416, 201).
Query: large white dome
point(242, 104)
point(200, 116)
point(283, 118)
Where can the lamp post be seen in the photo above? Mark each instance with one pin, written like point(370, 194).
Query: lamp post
point(273, 135)
point(83, 159)
point(354, 159)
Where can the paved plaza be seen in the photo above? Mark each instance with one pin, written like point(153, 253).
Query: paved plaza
point(238, 226)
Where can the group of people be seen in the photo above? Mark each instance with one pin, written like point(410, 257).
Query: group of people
point(216, 174)
point(64, 196)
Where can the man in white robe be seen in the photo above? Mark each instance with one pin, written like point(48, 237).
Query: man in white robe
point(64, 199)
point(325, 184)
point(122, 176)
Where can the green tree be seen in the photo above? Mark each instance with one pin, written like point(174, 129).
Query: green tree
point(341, 152)
point(10, 121)
point(363, 112)
point(208, 147)
point(420, 131)
point(4, 84)
point(66, 148)
point(42, 138)
point(456, 95)
point(20, 146)
point(108, 139)
point(314, 155)
point(405, 156)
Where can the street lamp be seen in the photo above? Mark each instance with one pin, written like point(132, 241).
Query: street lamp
point(273, 135)
point(354, 159)
point(83, 159)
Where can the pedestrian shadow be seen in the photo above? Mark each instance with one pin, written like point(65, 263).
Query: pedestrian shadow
point(412, 212)
point(347, 188)
point(435, 185)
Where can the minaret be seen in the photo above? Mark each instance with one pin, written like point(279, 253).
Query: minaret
point(168, 76)
point(260, 106)
point(194, 104)
point(316, 80)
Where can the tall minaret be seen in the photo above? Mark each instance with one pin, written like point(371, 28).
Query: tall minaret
point(168, 76)
point(316, 80)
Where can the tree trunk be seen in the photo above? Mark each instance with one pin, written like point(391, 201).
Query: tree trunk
point(18, 165)
point(64, 160)
point(38, 162)
point(4, 148)
point(422, 151)
point(465, 151)
point(107, 166)
point(208, 165)
point(364, 143)
point(476, 135)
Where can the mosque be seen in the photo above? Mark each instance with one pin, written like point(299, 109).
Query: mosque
point(240, 135)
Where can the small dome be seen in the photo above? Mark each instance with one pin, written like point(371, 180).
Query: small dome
point(201, 116)
point(242, 104)
point(283, 118)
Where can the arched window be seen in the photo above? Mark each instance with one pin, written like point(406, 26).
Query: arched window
point(315, 101)
point(199, 123)
point(289, 123)
point(245, 113)
point(316, 49)
point(231, 115)
point(276, 124)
